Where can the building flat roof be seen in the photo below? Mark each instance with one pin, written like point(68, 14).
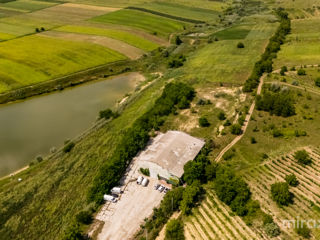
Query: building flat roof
point(172, 151)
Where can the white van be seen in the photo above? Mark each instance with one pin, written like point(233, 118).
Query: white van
point(139, 180)
point(109, 198)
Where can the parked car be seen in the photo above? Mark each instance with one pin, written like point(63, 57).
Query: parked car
point(139, 180)
point(161, 188)
point(156, 186)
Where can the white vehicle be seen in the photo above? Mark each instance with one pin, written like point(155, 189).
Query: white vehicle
point(161, 188)
point(139, 180)
point(116, 190)
point(156, 186)
point(145, 182)
point(109, 198)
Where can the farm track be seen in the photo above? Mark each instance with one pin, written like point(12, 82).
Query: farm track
point(306, 193)
point(212, 220)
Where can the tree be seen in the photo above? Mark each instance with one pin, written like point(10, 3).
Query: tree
point(174, 230)
point(283, 70)
point(73, 232)
point(317, 82)
point(272, 229)
point(178, 40)
point(68, 147)
point(84, 217)
point(303, 157)
point(184, 103)
point(190, 196)
point(240, 45)
point(221, 116)
point(292, 180)
point(301, 72)
point(211, 170)
point(203, 122)
point(280, 193)
point(303, 231)
point(107, 114)
point(236, 129)
point(253, 140)
point(194, 171)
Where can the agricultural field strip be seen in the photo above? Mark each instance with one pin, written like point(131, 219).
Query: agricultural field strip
point(109, 43)
point(199, 228)
point(193, 231)
point(181, 11)
point(204, 224)
point(26, 5)
point(123, 36)
point(144, 21)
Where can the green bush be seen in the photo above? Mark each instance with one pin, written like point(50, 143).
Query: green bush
point(73, 232)
point(303, 157)
point(272, 229)
point(174, 230)
point(292, 180)
point(68, 147)
point(84, 217)
point(240, 45)
point(253, 140)
point(317, 82)
point(203, 122)
point(145, 171)
point(190, 197)
point(303, 231)
point(236, 129)
point(178, 40)
point(301, 72)
point(280, 194)
point(107, 114)
point(176, 61)
point(221, 116)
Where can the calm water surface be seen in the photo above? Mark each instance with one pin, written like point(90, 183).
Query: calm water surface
point(30, 128)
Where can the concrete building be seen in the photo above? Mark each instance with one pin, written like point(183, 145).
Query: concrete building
point(168, 153)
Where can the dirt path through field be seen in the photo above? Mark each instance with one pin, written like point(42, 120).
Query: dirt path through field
point(246, 122)
point(121, 47)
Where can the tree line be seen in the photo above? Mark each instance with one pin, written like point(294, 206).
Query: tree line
point(265, 63)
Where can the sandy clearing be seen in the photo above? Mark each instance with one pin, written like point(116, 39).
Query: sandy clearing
point(121, 47)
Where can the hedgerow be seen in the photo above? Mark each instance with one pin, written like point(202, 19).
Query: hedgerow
point(265, 63)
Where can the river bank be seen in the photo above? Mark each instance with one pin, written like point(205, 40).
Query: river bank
point(71, 80)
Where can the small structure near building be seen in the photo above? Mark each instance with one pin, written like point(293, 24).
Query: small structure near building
point(109, 198)
point(168, 153)
point(116, 190)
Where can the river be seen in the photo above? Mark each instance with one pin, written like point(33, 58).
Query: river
point(31, 127)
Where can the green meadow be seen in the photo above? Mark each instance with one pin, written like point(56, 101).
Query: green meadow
point(35, 59)
point(127, 37)
point(302, 46)
point(221, 61)
point(154, 24)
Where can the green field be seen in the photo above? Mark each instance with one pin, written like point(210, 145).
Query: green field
point(26, 5)
point(302, 46)
point(235, 32)
point(127, 37)
point(35, 59)
point(150, 23)
point(182, 11)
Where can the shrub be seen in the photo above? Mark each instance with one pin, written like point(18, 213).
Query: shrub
point(280, 194)
point(203, 122)
point(227, 123)
point(301, 72)
point(240, 45)
point(277, 133)
point(253, 140)
point(236, 129)
point(68, 147)
point(303, 157)
point(317, 82)
point(292, 180)
point(303, 231)
point(283, 70)
point(228, 155)
point(177, 61)
point(145, 171)
point(272, 229)
point(174, 230)
point(84, 217)
point(39, 159)
point(73, 232)
point(178, 40)
point(107, 114)
point(221, 116)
